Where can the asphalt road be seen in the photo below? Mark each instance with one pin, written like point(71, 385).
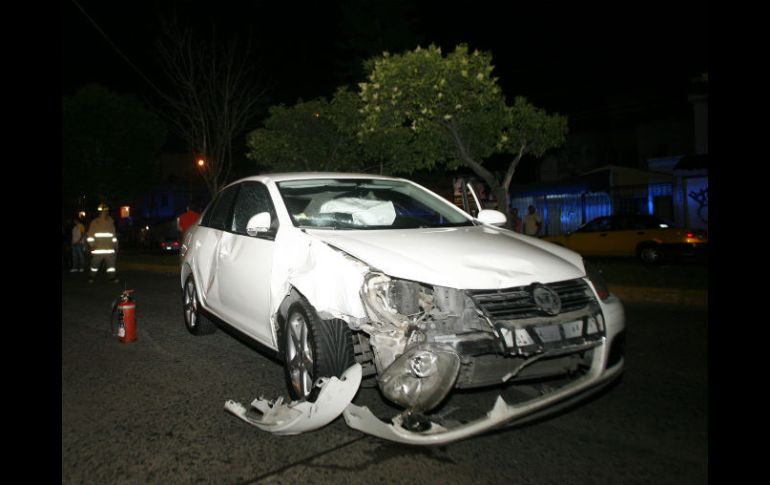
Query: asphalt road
point(152, 411)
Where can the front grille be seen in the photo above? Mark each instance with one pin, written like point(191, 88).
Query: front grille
point(517, 303)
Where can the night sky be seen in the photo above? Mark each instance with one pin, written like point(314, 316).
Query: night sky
point(564, 57)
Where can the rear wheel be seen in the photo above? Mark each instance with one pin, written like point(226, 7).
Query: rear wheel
point(313, 348)
point(194, 320)
point(650, 254)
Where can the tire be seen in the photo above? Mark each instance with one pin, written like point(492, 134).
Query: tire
point(650, 254)
point(196, 323)
point(313, 348)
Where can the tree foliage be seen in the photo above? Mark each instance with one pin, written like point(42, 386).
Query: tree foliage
point(309, 136)
point(427, 110)
point(111, 145)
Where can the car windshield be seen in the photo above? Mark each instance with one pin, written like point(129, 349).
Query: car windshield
point(366, 204)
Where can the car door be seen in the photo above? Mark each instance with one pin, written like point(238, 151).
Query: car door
point(591, 239)
point(630, 231)
point(245, 265)
point(206, 246)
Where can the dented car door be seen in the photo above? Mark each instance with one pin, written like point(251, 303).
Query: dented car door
point(245, 290)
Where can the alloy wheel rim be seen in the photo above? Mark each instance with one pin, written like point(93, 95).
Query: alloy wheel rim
point(190, 304)
point(299, 356)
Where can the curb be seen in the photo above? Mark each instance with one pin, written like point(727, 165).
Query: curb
point(629, 294)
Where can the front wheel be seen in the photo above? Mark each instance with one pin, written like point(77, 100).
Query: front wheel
point(313, 348)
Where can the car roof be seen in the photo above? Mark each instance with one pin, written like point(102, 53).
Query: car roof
point(281, 177)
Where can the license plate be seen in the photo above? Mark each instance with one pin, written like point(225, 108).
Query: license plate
point(548, 333)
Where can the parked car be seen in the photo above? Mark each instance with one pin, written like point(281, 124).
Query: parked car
point(170, 244)
point(643, 236)
point(348, 276)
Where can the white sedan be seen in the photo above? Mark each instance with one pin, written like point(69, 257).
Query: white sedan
point(348, 276)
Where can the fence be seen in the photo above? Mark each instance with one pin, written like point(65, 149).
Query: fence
point(562, 213)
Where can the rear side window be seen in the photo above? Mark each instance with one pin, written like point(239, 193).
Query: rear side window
point(601, 224)
point(253, 198)
point(218, 215)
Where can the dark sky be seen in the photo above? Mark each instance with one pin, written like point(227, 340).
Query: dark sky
point(560, 55)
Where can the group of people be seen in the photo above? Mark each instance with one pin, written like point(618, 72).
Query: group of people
point(100, 240)
point(529, 225)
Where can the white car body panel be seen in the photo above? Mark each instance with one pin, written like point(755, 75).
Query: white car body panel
point(204, 251)
point(327, 278)
point(480, 257)
point(244, 293)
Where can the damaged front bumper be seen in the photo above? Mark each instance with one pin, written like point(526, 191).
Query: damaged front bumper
point(502, 413)
point(300, 416)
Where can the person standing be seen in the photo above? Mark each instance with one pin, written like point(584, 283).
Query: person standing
point(516, 220)
point(104, 244)
point(185, 220)
point(78, 246)
point(532, 222)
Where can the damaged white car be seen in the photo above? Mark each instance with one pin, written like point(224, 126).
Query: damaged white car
point(350, 276)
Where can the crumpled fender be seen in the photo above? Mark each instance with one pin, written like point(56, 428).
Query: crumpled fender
point(300, 416)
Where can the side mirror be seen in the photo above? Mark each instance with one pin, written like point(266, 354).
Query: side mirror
point(258, 223)
point(491, 216)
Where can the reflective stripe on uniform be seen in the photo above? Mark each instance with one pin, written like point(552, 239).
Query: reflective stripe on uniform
point(103, 251)
point(90, 239)
point(110, 270)
point(104, 234)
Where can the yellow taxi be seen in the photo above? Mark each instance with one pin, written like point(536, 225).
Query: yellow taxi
point(642, 236)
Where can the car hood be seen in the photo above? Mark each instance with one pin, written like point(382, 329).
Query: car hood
point(478, 257)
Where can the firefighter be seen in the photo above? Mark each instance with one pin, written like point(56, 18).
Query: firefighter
point(103, 241)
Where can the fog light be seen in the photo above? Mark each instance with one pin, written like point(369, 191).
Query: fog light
point(421, 377)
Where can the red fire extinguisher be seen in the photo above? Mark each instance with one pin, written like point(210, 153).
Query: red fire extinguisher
point(126, 307)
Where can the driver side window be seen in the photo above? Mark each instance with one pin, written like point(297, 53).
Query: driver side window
point(252, 199)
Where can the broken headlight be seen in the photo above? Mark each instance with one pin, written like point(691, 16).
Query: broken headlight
point(391, 300)
point(421, 377)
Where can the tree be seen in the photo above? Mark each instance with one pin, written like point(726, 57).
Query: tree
point(215, 96)
point(111, 145)
point(429, 110)
point(311, 135)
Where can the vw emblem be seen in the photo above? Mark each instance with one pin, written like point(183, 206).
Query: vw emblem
point(546, 299)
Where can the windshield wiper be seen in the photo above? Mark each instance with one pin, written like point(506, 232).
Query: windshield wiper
point(333, 228)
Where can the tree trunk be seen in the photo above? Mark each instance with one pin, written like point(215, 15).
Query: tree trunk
point(500, 190)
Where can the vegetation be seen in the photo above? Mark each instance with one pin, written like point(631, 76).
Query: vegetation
point(317, 135)
point(431, 110)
